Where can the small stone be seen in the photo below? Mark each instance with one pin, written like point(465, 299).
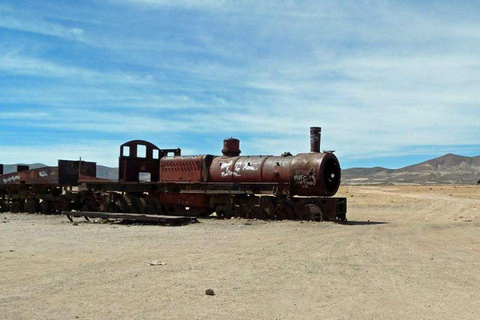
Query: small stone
point(75, 223)
point(210, 292)
point(156, 263)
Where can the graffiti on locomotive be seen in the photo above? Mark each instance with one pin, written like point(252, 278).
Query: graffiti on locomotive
point(11, 179)
point(305, 178)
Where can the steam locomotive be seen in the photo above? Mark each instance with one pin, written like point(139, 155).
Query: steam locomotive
point(163, 181)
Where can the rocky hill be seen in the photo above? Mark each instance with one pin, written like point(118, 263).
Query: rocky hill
point(107, 172)
point(447, 169)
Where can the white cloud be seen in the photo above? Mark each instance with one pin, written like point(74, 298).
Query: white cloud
point(30, 23)
point(32, 115)
point(24, 65)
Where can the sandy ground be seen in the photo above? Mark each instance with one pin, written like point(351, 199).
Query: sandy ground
point(408, 253)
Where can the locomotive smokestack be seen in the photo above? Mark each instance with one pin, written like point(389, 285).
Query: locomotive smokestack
point(231, 147)
point(315, 136)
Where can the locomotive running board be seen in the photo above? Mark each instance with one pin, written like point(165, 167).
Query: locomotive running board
point(134, 217)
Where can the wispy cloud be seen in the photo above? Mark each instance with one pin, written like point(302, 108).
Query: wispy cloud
point(30, 66)
point(22, 20)
point(23, 115)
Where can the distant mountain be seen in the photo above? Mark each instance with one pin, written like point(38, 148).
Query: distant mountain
point(102, 171)
point(447, 169)
point(107, 172)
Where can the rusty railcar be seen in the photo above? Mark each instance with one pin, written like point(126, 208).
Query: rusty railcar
point(47, 189)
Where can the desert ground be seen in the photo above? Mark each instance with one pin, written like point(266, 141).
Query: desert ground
point(408, 252)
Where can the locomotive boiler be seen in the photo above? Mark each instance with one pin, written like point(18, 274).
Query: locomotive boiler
point(308, 174)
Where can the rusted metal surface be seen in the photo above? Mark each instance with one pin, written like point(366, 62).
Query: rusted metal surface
point(194, 201)
point(237, 169)
point(249, 169)
point(309, 174)
point(34, 176)
point(132, 163)
point(330, 209)
point(67, 173)
point(277, 169)
point(315, 174)
point(22, 167)
point(231, 147)
point(184, 168)
point(315, 136)
point(159, 219)
point(170, 152)
point(70, 172)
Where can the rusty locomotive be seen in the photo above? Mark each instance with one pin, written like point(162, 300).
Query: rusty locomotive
point(163, 181)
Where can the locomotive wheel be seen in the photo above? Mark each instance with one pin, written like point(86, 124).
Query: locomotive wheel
point(311, 212)
point(45, 206)
point(103, 205)
point(113, 207)
point(229, 213)
point(143, 205)
point(239, 210)
point(4, 207)
point(89, 206)
point(138, 204)
point(109, 203)
point(220, 213)
point(257, 212)
point(64, 205)
point(17, 206)
point(284, 211)
point(31, 205)
point(224, 212)
point(153, 206)
point(125, 204)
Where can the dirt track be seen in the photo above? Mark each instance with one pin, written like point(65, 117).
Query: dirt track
point(408, 253)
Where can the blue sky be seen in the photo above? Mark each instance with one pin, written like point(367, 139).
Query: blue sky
point(391, 83)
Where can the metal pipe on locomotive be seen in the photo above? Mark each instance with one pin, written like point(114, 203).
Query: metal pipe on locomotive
point(296, 187)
